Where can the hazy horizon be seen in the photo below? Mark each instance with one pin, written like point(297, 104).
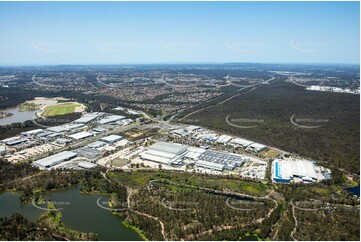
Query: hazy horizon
point(118, 33)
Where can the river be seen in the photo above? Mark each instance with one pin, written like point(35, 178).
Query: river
point(17, 117)
point(80, 212)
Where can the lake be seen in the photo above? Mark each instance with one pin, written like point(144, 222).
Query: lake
point(17, 117)
point(80, 212)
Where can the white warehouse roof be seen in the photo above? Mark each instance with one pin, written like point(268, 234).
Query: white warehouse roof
point(54, 159)
point(87, 118)
point(224, 139)
point(80, 135)
point(169, 148)
point(242, 142)
point(210, 165)
point(66, 127)
point(111, 138)
point(163, 152)
point(32, 132)
point(111, 119)
point(11, 139)
point(258, 147)
point(285, 170)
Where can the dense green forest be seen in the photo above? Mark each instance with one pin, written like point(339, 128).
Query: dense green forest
point(185, 206)
point(336, 142)
point(18, 228)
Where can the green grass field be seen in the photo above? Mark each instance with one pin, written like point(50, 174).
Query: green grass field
point(60, 109)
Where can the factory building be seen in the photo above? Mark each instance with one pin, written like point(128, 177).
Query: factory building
point(224, 139)
point(14, 140)
point(65, 128)
point(209, 137)
point(210, 165)
point(163, 152)
point(111, 119)
point(296, 171)
point(181, 132)
point(88, 117)
point(80, 135)
point(241, 142)
point(32, 132)
point(63, 141)
point(53, 160)
point(96, 144)
point(111, 138)
point(257, 147)
point(99, 130)
point(227, 160)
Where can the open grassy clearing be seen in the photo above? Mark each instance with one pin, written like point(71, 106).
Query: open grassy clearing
point(118, 162)
point(60, 109)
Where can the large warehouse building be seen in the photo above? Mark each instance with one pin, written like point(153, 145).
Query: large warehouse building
point(163, 152)
point(219, 160)
point(53, 160)
point(296, 171)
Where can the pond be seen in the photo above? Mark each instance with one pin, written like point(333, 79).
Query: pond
point(80, 212)
point(17, 117)
point(354, 190)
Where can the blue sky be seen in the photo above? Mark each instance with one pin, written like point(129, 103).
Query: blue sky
point(36, 33)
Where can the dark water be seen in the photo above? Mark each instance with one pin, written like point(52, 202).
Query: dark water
point(354, 190)
point(80, 212)
point(10, 203)
point(17, 117)
point(230, 196)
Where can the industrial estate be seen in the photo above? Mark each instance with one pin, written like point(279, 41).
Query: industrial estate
point(88, 141)
point(180, 121)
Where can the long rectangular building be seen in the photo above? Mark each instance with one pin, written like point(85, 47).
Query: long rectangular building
point(163, 152)
point(53, 160)
point(80, 135)
point(111, 119)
